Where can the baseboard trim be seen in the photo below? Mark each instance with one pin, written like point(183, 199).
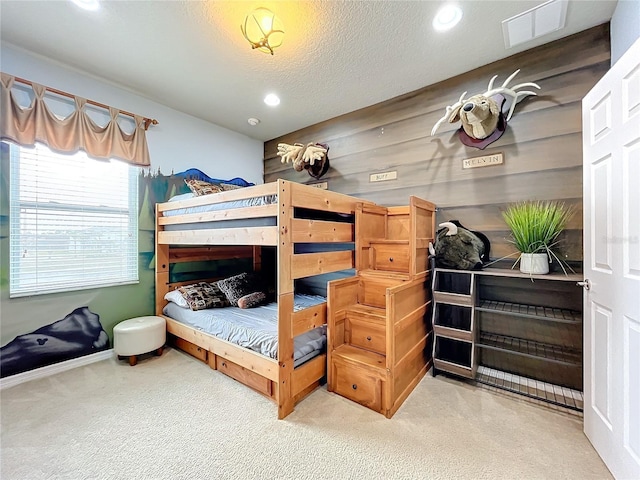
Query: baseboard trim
point(49, 370)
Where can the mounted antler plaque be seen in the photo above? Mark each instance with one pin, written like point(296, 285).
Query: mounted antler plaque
point(312, 157)
point(481, 116)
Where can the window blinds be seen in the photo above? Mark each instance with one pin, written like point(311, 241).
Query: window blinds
point(73, 222)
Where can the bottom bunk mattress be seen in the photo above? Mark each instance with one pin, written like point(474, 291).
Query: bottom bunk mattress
point(254, 328)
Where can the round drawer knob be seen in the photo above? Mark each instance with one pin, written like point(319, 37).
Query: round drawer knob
point(391, 259)
point(224, 364)
point(369, 338)
point(354, 386)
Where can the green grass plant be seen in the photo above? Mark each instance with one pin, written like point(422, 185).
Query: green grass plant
point(536, 225)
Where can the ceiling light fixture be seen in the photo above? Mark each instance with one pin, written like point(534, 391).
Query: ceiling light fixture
point(87, 4)
point(447, 18)
point(263, 30)
point(272, 100)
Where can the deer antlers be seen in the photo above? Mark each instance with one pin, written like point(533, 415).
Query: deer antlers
point(451, 113)
point(447, 115)
point(511, 92)
point(292, 153)
point(300, 155)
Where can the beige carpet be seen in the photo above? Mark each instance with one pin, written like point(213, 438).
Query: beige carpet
point(172, 417)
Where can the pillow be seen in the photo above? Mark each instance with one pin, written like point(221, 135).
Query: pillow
point(252, 300)
point(238, 286)
point(176, 297)
point(203, 295)
point(229, 186)
point(199, 187)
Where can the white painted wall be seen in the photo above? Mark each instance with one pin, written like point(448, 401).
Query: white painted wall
point(178, 142)
point(625, 27)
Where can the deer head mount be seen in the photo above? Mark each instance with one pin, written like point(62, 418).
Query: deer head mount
point(311, 157)
point(481, 115)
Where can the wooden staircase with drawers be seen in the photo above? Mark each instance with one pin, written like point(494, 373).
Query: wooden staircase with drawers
point(379, 328)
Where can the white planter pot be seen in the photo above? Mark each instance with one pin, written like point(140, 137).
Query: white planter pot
point(534, 263)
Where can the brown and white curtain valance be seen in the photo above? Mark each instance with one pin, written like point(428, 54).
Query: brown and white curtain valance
point(37, 124)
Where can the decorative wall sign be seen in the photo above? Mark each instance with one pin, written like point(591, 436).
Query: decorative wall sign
point(383, 176)
point(483, 161)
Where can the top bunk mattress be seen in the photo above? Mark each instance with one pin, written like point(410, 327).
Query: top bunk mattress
point(254, 328)
point(245, 202)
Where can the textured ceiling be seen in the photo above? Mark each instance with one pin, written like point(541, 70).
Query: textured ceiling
point(337, 56)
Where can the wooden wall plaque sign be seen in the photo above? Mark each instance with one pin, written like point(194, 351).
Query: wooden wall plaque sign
point(483, 161)
point(383, 176)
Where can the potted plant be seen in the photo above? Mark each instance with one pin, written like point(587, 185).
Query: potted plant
point(535, 227)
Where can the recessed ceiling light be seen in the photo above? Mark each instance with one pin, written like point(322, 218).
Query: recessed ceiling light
point(272, 100)
point(447, 18)
point(87, 4)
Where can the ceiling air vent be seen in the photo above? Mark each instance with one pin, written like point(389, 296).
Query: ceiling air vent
point(545, 18)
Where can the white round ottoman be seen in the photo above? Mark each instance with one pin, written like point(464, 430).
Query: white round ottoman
point(139, 335)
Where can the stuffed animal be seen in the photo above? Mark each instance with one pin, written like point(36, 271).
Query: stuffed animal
point(312, 157)
point(481, 115)
point(460, 248)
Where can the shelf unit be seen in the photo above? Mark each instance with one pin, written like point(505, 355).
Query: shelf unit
point(454, 323)
point(522, 326)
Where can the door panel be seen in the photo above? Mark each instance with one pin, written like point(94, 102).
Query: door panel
point(601, 352)
point(632, 387)
point(611, 169)
point(601, 214)
point(631, 209)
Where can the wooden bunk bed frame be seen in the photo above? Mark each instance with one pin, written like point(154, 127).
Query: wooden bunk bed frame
point(274, 378)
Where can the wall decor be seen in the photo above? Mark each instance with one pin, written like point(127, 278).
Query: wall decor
point(383, 176)
point(311, 157)
point(483, 161)
point(78, 333)
point(483, 121)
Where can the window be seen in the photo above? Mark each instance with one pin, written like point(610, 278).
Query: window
point(73, 222)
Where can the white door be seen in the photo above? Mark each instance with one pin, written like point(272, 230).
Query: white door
point(611, 149)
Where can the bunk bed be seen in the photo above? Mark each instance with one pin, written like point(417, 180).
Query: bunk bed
point(237, 224)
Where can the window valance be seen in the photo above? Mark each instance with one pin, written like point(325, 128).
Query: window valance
point(37, 124)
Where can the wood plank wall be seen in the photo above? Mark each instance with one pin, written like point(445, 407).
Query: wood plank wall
point(542, 145)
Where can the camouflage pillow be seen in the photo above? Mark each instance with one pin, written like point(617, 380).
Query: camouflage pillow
point(200, 187)
point(238, 286)
point(252, 300)
point(204, 295)
point(229, 186)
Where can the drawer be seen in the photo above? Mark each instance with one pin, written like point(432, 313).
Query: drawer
point(191, 348)
point(373, 291)
point(368, 335)
point(390, 257)
point(357, 385)
point(247, 377)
